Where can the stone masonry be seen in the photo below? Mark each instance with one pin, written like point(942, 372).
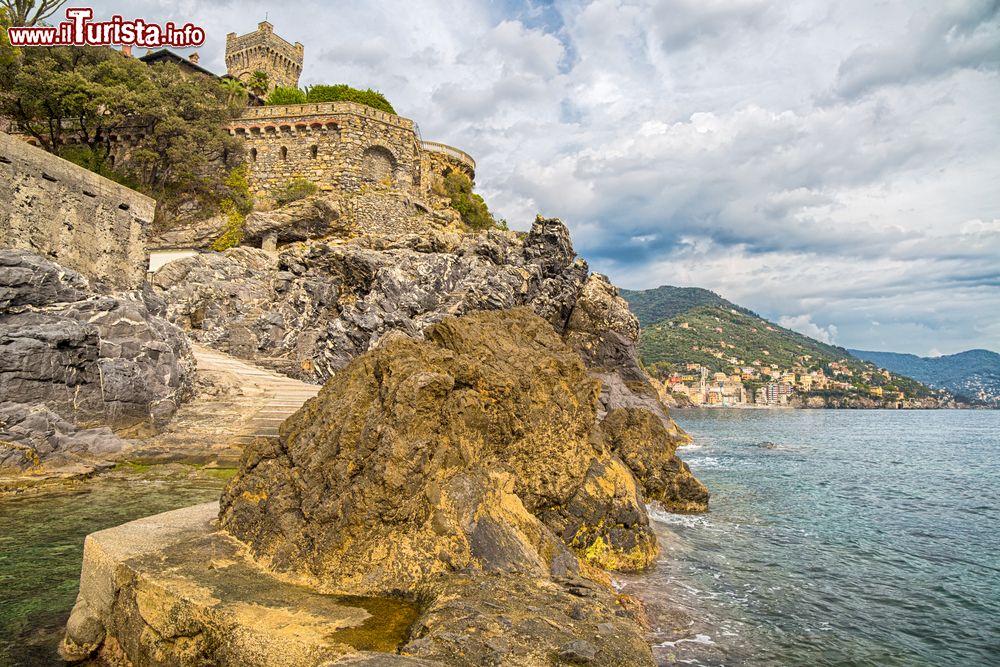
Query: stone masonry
point(72, 216)
point(341, 146)
point(265, 51)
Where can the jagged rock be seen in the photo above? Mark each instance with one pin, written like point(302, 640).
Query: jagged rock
point(200, 233)
point(33, 435)
point(315, 306)
point(309, 218)
point(429, 456)
point(466, 468)
point(638, 428)
point(91, 359)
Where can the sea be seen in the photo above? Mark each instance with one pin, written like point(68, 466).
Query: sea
point(834, 537)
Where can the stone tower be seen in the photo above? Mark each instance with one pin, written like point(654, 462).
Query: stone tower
point(263, 50)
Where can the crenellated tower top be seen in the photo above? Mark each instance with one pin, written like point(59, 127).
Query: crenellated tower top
point(263, 50)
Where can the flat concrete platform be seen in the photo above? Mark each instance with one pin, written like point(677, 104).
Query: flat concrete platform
point(172, 590)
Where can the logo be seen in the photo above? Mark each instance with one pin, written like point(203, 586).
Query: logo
point(79, 30)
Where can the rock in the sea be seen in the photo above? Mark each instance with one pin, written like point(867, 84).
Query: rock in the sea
point(477, 447)
point(467, 469)
point(88, 359)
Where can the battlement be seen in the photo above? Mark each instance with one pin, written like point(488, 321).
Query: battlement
point(304, 116)
point(265, 51)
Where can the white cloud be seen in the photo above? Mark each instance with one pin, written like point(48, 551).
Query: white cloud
point(837, 159)
point(804, 325)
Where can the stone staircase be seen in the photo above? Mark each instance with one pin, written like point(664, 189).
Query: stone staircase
point(275, 396)
point(241, 403)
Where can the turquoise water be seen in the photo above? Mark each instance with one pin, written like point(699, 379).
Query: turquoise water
point(854, 538)
point(41, 549)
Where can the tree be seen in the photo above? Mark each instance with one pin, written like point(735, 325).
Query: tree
point(259, 83)
point(236, 92)
point(344, 93)
point(28, 12)
point(7, 52)
point(285, 95)
point(77, 101)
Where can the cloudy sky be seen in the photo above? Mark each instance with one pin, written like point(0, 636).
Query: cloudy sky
point(834, 166)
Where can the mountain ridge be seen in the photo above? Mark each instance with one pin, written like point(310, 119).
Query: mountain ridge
point(973, 374)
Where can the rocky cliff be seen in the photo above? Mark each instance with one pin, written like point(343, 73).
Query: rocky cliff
point(312, 307)
point(478, 451)
point(76, 363)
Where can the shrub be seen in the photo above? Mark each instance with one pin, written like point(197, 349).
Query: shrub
point(283, 95)
point(344, 93)
point(469, 205)
point(237, 203)
point(293, 190)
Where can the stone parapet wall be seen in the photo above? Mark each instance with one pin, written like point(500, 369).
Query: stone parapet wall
point(72, 216)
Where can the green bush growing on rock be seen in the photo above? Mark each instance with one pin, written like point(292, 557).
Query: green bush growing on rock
point(285, 95)
point(469, 205)
point(235, 206)
point(344, 93)
point(293, 190)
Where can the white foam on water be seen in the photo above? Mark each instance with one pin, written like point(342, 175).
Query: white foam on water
point(697, 639)
point(671, 519)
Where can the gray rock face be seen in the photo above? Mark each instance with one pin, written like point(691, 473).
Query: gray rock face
point(308, 218)
point(315, 306)
point(87, 359)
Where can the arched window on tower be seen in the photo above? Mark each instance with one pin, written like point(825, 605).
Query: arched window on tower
point(284, 153)
point(253, 154)
point(314, 151)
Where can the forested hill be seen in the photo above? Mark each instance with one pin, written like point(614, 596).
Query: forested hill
point(688, 325)
point(653, 305)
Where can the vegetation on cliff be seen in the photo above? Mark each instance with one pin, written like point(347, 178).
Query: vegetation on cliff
point(326, 93)
point(235, 206)
point(74, 101)
point(471, 206)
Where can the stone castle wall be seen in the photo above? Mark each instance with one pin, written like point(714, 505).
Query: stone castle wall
point(341, 146)
point(263, 50)
point(72, 216)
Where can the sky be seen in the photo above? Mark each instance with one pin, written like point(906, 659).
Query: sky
point(834, 166)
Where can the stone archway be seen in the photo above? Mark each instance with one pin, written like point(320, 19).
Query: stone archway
point(378, 165)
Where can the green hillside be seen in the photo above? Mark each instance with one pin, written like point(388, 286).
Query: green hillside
point(653, 305)
point(682, 326)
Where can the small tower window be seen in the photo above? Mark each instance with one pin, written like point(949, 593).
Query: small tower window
point(253, 154)
point(284, 153)
point(314, 151)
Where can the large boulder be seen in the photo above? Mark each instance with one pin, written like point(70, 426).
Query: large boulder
point(466, 469)
point(90, 359)
point(309, 218)
point(477, 447)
